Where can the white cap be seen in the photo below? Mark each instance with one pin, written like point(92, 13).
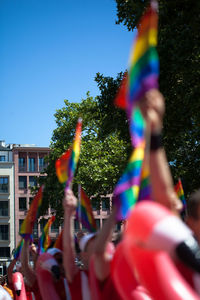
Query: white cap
point(85, 239)
point(53, 251)
point(18, 265)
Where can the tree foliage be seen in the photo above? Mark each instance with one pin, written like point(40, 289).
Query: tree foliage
point(179, 53)
point(105, 145)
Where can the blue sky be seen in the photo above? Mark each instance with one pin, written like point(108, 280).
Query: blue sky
point(50, 51)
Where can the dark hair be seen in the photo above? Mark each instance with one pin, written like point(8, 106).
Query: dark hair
point(193, 204)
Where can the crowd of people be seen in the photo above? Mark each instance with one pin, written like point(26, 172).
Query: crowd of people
point(56, 274)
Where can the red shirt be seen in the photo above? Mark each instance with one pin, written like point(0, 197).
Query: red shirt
point(101, 290)
point(76, 287)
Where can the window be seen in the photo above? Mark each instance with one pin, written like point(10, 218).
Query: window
point(3, 208)
point(54, 228)
point(3, 184)
point(97, 221)
point(20, 223)
point(4, 251)
point(105, 202)
point(41, 164)
point(32, 181)
point(31, 164)
point(2, 158)
point(22, 182)
point(22, 166)
point(94, 204)
point(22, 204)
point(4, 232)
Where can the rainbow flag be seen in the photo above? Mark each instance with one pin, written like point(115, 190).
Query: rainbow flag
point(143, 67)
point(28, 223)
point(180, 193)
point(145, 186)
point(142, 76)
point(18, 250)
point(62, 166)
point(66, 164)
point(58, 243)
point(127, 189)
point(84, 212)
point(44, 240)
point(144, 62)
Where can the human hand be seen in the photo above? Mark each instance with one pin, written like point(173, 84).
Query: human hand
point(69, 201)
point(153, 107)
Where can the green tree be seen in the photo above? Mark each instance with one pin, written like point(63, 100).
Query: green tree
point(179, 53)
point(104, 150)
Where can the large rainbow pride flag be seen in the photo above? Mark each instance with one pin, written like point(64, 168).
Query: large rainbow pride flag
point(141, 77)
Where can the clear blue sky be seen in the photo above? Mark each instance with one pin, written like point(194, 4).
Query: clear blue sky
point(50, 50)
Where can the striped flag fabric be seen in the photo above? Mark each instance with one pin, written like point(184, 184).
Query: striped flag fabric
point(28, 223)
point(84, 212)
point(18, 250)
point(180, 192)
point(44, 240)
point(141, 77)
point(66, 164)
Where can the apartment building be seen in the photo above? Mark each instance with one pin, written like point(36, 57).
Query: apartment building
point(7, 213)
point(19, 165)
point(29, 162)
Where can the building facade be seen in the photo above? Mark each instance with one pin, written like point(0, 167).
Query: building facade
point(29, 162)
point(7, 207)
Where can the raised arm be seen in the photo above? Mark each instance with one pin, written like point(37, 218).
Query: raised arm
point(69, 205)
point(27, 271)
point(10, 270)
point(153, 107)
point(102, 258)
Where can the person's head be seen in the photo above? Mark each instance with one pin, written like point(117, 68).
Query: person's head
point(193, 213)
point(86, 245)
point(58, 256)
point(18, 266)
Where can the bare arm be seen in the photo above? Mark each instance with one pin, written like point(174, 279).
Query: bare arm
point(69, 205)
point(10, 270)
point(28, 272)
point(153, 108)
point(102, 259)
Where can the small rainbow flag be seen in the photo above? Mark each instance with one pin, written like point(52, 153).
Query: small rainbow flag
point(180, 193)
point(18, 250)
point(84, 212)
point(28, 223)
point(44, 240)
point(58, 243)
point(62, 166)
point(66, 164)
